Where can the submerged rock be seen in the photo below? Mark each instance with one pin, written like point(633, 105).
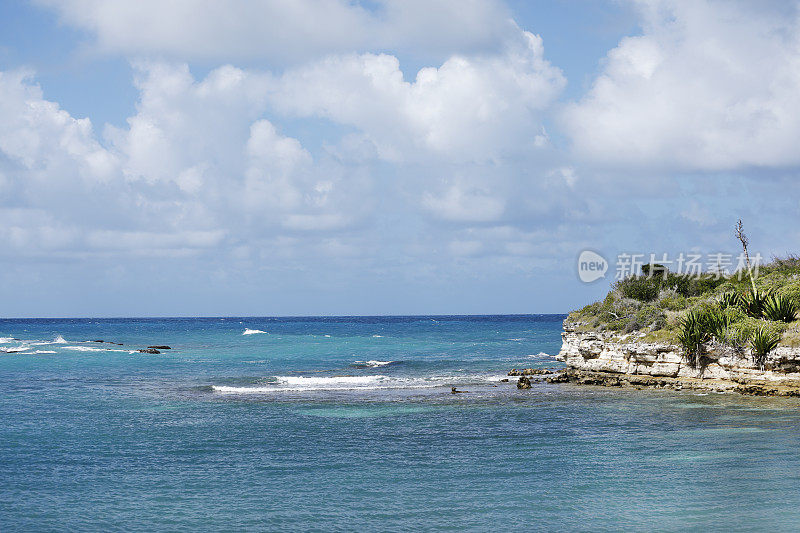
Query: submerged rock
point(148, 350)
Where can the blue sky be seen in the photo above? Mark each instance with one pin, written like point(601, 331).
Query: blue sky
point(384, 157)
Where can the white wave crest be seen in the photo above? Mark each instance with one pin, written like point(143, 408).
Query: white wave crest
point(6, 340)
point(377, 336)
point(335, 380)
point(372, 363)
point(540, 354)
point(59, 340)
point(44, 351)
point(18, 349)
point(90, 349)
point(249, 331)
point(355, 383)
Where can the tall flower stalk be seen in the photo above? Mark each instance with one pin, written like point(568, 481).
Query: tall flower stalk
point(743, 239)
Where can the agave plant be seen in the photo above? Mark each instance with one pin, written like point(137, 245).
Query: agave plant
point(762, 342)
point(754, 302)
point(780, 308)
point(692, 337)
point(730, 299)
point(714, 323)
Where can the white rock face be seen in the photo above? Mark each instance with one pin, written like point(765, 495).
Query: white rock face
point(598, 352)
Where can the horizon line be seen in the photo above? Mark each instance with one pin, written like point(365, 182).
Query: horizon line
point(280, 316)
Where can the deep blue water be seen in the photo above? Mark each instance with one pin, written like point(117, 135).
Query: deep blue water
point(349, 424)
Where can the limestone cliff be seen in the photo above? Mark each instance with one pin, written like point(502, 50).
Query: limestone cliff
point(602, 354)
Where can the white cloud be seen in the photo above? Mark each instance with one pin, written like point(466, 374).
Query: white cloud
point(284, 32)
point(709, 85)
point(196, 166)
point(206, 166)
point(42, 138)
point(471, 108)
point(465, 203)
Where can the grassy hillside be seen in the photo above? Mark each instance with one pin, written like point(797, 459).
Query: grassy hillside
point(657, 307)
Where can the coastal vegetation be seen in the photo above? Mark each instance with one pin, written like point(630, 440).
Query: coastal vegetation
point(745, 311)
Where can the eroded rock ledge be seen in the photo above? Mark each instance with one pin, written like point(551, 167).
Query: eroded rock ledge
point(599, 358)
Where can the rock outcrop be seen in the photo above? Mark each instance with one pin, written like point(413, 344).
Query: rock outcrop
point(604, 359)
point(530, 372)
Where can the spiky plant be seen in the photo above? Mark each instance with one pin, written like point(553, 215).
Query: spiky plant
point(714, 323)
point(780, 308)
point(754, 302)
point(692, 337)
point(762, 343)
point(730, 299)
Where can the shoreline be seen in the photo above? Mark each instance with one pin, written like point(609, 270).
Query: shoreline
point(638, 381)
point(603, 359)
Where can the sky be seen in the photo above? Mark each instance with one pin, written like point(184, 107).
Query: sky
point(332, 157)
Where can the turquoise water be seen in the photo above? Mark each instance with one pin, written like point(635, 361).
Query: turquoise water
point(349, 424)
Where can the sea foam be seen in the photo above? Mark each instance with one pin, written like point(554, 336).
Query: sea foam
point(249, 331)
point(90, 349)
point(371, 364)
point(354, 383)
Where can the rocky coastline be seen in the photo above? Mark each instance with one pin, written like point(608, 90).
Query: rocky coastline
point(606, 359)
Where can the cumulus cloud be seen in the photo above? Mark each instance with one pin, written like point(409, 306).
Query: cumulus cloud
point(471, 108)
point(709, 85)
point(196, 165)
point(285, 32)
point(457, 155)
point(40, 138)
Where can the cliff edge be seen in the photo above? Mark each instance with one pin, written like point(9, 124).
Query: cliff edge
point(606, 358)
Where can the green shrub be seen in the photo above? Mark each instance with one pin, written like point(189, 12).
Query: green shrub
point(689, 286)
point(706, 283)
point(654, 270)
point(671, 300)
point(737, 337)
point(639, 288)
point(780, 308)
point(762, 342)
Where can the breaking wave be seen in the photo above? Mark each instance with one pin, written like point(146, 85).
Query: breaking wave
point(90, 349)
point(372, 364)
point(353, 383)
point(249, 331)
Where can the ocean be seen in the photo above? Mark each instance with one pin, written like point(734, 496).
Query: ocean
point(349, 424)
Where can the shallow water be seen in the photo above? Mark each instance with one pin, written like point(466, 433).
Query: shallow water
point(349, 424)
